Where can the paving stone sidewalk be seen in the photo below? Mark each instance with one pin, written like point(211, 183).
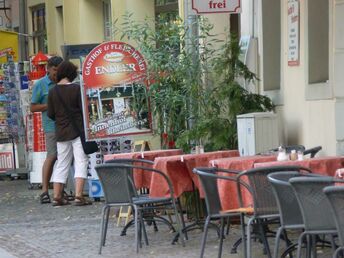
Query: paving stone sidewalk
point(29, 229)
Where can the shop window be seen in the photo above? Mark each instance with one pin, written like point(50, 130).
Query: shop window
point(318, 41)
point(271, 37)
point(39, 33)
point(107, 20)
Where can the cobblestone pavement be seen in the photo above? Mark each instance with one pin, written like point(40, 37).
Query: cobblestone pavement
point(29, 229)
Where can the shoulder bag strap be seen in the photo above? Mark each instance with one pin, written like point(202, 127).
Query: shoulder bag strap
point(69, 112)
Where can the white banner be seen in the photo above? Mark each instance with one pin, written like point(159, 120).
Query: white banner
point(293, 33)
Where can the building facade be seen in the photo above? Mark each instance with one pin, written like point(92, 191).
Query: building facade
point(296, 49)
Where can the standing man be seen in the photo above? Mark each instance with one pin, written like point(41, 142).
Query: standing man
point(39, 103)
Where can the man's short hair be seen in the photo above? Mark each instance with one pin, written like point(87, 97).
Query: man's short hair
point(54, 61)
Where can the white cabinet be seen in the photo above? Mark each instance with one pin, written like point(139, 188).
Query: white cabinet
point(257, 132)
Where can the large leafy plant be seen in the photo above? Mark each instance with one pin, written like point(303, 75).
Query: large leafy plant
point(194, 92)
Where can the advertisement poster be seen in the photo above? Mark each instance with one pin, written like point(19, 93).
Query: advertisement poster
point(293, 33)
point(114, 90)
point(8, 43)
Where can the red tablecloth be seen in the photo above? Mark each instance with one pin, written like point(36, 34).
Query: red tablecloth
point(179, 169)
point(321, 165)
point(143, 179)
point(228, 189)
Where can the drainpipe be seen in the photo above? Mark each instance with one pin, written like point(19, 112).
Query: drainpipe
point(23, 52)
point(191, 23)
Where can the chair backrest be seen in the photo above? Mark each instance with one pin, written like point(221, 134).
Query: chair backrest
point(289, 209)
point(209, 182)
point(315, 208)
point(312, 151)
point(335, 195)
point(136, 162)
point(264, 202)
point(115, 183)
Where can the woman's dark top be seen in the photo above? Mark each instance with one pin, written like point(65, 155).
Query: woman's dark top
point(71, 95)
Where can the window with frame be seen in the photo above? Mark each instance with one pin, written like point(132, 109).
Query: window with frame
point(271, 29)
point(107, 20)
point(318, 41)
point(39, 32)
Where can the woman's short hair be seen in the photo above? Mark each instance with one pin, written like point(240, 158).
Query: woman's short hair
point(66, 70)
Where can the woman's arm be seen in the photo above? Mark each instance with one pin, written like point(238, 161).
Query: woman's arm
point(51, 109)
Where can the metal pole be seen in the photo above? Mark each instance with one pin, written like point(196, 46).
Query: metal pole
point(23, 53)
point(191, 23)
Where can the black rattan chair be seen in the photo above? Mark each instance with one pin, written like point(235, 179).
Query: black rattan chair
point(289, 210)
point(264, 203)
point(209, 181)
point(117, 186)
point(315, 209)
point(335, 195)
point(150, 216)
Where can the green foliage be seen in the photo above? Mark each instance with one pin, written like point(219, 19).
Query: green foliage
point(195, 94)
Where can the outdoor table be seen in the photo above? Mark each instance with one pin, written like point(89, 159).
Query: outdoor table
point(179, 170)
point(143, 179)
point(326, 166)
point(227, 189)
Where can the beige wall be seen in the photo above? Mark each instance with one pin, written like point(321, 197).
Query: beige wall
point(308, 122)
point(308, 114)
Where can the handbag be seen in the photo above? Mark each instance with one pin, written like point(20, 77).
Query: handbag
point(89, 147)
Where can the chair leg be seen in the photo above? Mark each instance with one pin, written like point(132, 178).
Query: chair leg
point(222, 231)
point(277, 240)
point(299, 244)
point(337, 252)
point(102, 228)
point(248, 234)
point(204, 237)
point(244, 243)
point(106, 224)
point(182, 218)
point(228, 225)
point(136, 229)
point(143, 228)
point(179, 223)
point(313, 246)
point(264, 239)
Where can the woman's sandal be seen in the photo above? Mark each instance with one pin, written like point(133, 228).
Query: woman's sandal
point(81, 201)
point(57, 202)
point(44, 198)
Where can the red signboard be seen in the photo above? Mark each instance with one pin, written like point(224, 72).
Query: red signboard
point(6, 161)
point(113, 63)
point(114, 99)
point(216, 6)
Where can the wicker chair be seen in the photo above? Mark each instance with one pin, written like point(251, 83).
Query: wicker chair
point(265, 209)
point(335, 195)
point(209, 181)
point(118, 191)
point(289, 209)
point(315, 209)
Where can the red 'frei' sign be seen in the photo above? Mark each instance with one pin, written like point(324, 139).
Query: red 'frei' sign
point(113, 63)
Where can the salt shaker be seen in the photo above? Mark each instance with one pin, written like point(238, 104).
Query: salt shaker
point(282, 155)
point(293, 155)
point(299, 155)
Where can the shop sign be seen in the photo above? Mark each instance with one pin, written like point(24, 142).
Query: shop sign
point(114, 86)
point(216, 6)
point(6, 161)
point(293, 32)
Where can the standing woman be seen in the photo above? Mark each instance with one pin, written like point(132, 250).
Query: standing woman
point(64, 106)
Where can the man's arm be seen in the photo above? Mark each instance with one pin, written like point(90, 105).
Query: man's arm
point(38, 107)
